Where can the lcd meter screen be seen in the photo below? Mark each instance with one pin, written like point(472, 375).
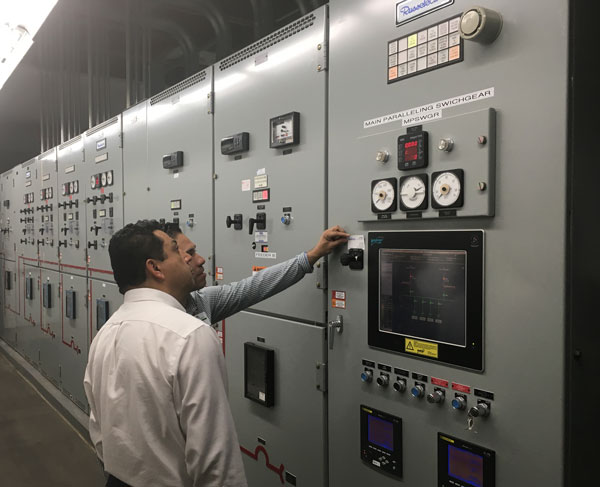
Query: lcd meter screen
point(422, 294)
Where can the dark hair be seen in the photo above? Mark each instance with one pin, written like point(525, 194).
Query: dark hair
point(129, 249)
point(172, 229)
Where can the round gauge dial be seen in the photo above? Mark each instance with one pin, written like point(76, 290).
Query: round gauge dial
point(65, 188)
point(93, 182)
point(413, 191)
point(71, 187)
point(446, 189)
point(75, 186)
point(383, 195)
point(109, 178)
point(103, 179)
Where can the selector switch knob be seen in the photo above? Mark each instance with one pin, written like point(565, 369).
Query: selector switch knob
point(366, 376)
point(482, 410)
point(435, 397)
point(383, 380)
point(445, 145)
point(382, 156)
point(418, 391)
point(480, 25)
point(459, 403)
point(400, 385)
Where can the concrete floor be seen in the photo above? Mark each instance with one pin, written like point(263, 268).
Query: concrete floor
point(37, 445)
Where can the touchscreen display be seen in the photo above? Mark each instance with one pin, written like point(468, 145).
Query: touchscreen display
point(381, 433)
point(466, 466)
point(422, 294)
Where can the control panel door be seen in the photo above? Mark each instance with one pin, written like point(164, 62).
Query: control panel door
point(71, 224)
point(11, 301)
point(270, 160)
point(48, 210)
point(29, 329)
point(277, 392)
point(27, 191)
point(103, 193)
point(179, 166)
point(51, 326)
point(74, 338)
point(8, 212)
point(104, 300)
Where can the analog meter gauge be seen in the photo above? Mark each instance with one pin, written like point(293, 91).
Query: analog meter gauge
point(109, 178)
point(413, 192)
point(447, 189)
point(383, 195)
point(71, 187)
point(284, 130)
point(75, 186)
point(103, 179)
point(93, 182)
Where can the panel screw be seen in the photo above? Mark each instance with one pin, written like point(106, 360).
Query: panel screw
point(482, 186)
point(319, 67)
point(481, 140)
point(319, 47)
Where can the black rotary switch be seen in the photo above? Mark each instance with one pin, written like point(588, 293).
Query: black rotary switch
point(236, 221)
point(353, 259)
point(260, 220)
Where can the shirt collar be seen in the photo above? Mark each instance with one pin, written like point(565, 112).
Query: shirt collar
point(149, 294)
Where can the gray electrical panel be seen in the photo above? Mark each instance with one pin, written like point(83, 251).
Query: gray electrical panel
point(27, 188)
point(51, 327)
point(11, 298)
point(8, 227)
point(29, 328)
point(270, 200)
point(103, 184)
point(104, 300)
point(173, 182)
point(286, 441)
point(48, 211)
point(74, 338)
point(429, 125)
point(71, 222)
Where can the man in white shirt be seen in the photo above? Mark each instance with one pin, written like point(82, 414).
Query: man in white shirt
point(156, 380)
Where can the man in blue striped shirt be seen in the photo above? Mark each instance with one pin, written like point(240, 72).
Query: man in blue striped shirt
point(215, 303)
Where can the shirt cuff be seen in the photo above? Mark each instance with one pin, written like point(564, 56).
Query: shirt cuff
point(304, 263)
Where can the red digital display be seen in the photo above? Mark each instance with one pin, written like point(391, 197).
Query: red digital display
point(411, 151)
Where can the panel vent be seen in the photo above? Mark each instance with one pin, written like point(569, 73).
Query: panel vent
point(265, 43)
point(69, 142)
point(182, 85)
point(45, 154)
point(102, 126)
point(30, 162)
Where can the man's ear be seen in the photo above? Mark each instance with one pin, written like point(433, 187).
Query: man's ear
point(153, 268)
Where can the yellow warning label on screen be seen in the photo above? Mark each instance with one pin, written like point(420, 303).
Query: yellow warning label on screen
point(421, 348)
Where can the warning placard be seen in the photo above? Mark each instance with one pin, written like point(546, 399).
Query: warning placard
point(419, 347)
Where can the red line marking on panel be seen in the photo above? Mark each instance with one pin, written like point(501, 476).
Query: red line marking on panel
point(278, 470)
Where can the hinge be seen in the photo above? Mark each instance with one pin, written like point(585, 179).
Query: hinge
point(321, 274)
point(321, 376)
point(210, 103)
point(322, 57)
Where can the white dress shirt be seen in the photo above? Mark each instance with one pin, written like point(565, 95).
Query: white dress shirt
point(157, 388)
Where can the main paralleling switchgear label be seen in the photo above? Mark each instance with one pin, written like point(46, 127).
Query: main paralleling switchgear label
point(409, 10)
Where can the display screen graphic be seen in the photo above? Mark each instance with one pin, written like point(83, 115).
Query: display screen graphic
point(466, 466)
point(381, 433)
point(411, 151)
point(423, 294)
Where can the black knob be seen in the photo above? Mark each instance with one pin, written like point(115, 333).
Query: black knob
point(102, 198)
point(95, 229)
point(64, 230)
point(93, 244)
point(260, 220)
point(236, 221)
point(110, 197)
point(40, 242)
point(353, 259)
point(62, 243)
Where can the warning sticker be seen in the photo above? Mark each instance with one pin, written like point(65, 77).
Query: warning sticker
point(418, 347)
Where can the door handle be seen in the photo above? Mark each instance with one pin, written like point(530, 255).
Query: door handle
point(336, 325)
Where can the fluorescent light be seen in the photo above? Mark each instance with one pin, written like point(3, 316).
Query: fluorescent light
point(19, 22)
